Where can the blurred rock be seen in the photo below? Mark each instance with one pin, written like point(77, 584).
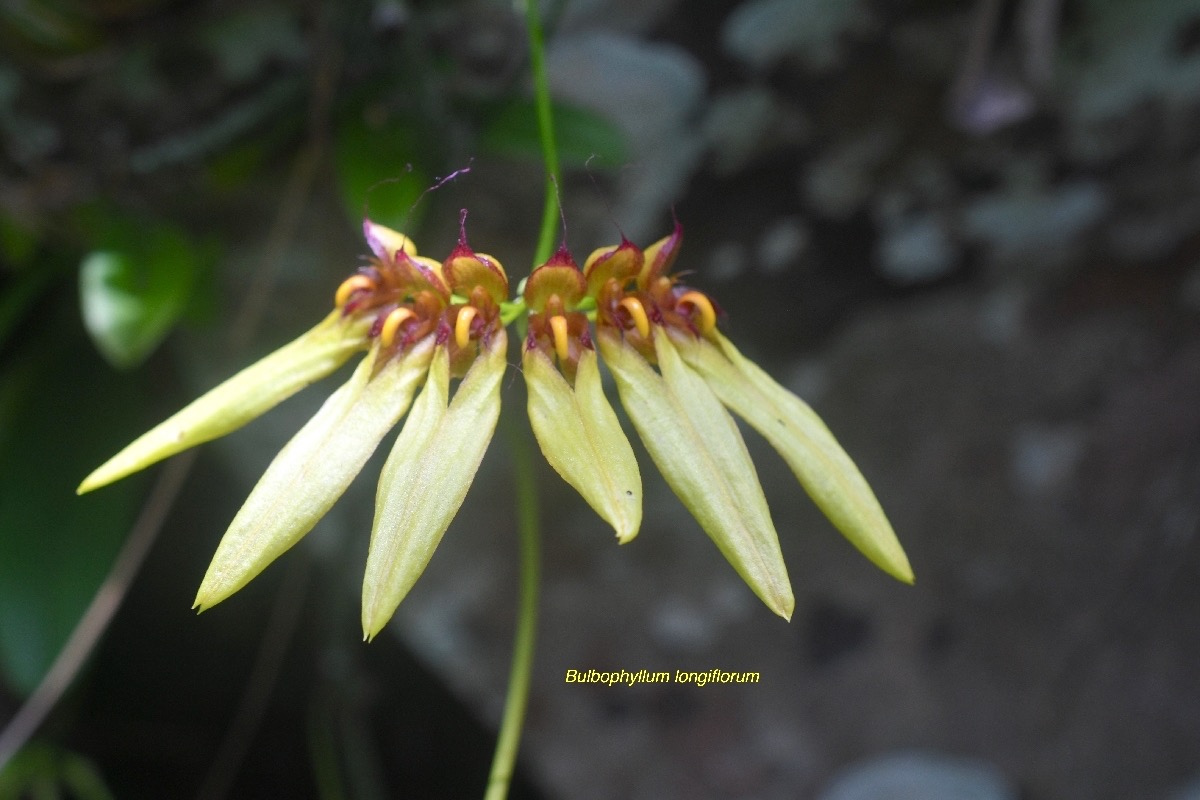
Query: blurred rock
point(727, 261)
point(1024, 219)
point(839, 183)
point(1189, 792)
point(919, 776)
point(1045, 458)
point(764, 32)
point(745, 125)
point(916, 250)
point(782, 245)
point(653, 93)
point(1189, 291)
point(1123, 54)
point(621, 16)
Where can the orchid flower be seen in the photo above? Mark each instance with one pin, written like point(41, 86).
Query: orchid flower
point(676, 375)
point(417, 319)
point(423, 323)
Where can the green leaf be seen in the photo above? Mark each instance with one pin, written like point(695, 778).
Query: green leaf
point(133, 293)
point(24, 293)
point(313, 470)
point(581, 438)
point(42, 29)
point(700, 452)
point(40, 770)
point(376, 172)
point(17, 242)
point(55, 549)
point(581, 135)
point(244, 41)
point(427, 475)
point(806, 444)
point(248, 394)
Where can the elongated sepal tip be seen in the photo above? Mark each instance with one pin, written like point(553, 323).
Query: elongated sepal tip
point(375, 623)
point(700, 453)
point(240, 399)
point(786, 609)
point(580, 436)
point(113, 470)
point(93, 481)
point(820, 464)
point(313, 470)
point(426, 477)
point(775, 592)
point(208, 595)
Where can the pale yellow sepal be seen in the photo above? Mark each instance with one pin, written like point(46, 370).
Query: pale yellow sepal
point(806, 444)
point(247, 395)
point(427, 475)
point(700, 452)
point(313, 470)
point(582, 439)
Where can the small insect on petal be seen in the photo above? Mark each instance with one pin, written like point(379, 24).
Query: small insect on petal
point(582, 439)
point(427, 475)
point(700, 452)
point(248, 394)
point(314, 469)
point(820, 464)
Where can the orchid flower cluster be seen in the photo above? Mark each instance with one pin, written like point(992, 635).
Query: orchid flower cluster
point(425, 323)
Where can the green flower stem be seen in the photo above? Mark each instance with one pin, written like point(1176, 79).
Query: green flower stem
point(510, 312)
point(522, 661)
point(541, 98)
point(520, 676)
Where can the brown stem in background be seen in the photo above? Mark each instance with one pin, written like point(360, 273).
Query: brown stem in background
point(1003, 69)
point(1039, 20)
point(980, 44)
point(129, 560)
point(100, 611)
point(285, 616)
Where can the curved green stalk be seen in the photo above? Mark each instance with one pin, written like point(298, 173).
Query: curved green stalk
point(520, 676)
point(541, 98)
point(523, 640)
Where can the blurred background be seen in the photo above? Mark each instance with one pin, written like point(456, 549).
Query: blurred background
point(968, 233)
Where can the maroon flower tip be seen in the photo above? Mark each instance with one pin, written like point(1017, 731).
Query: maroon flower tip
point(462, 249)
point(561, 258)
